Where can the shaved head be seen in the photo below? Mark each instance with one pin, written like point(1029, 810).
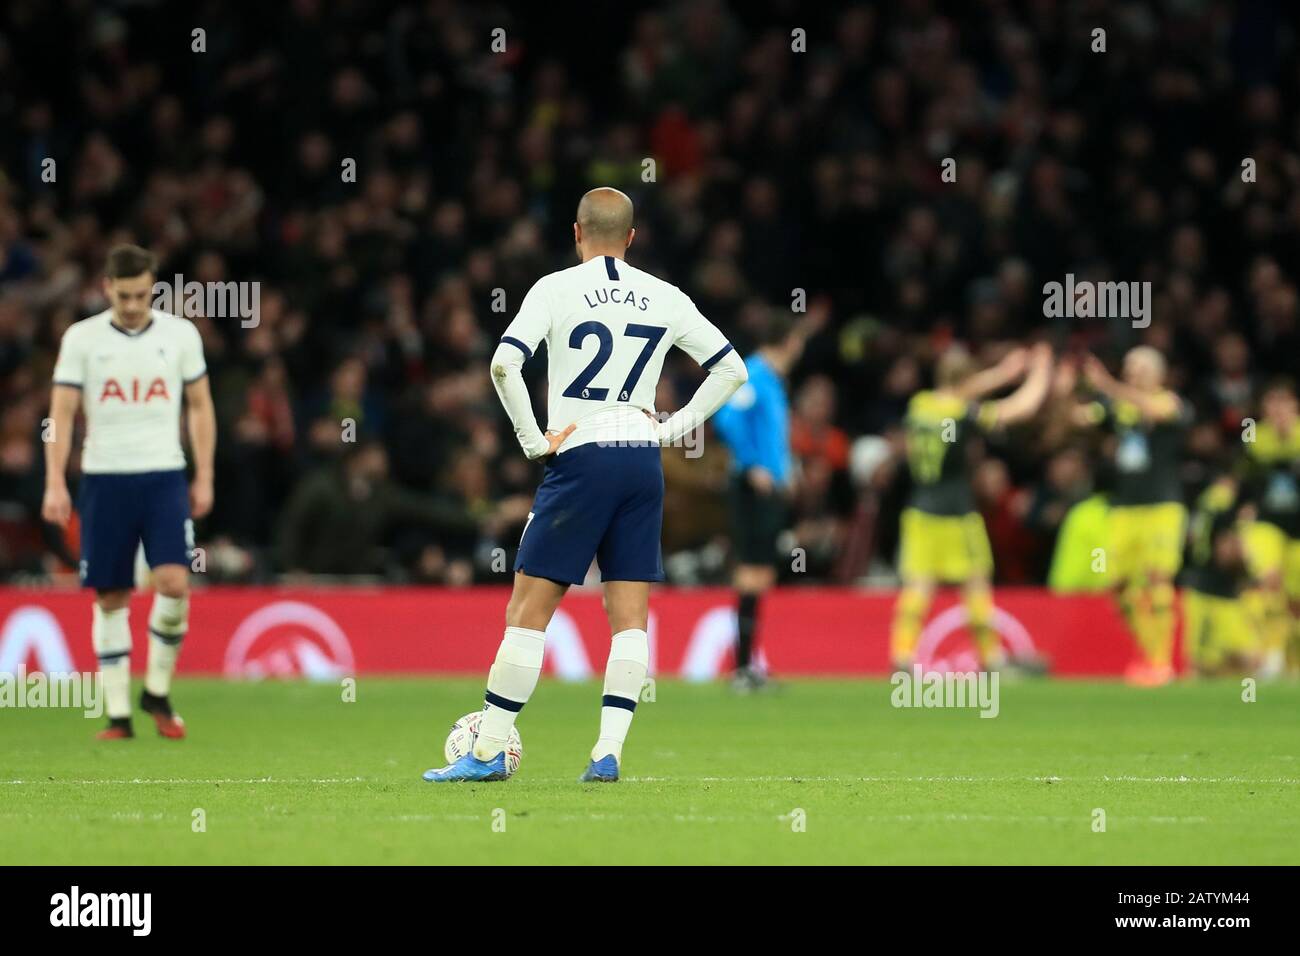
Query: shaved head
point(605, 217)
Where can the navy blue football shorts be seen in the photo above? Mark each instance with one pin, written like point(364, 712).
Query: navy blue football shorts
point(597, 502)
point(118, 512)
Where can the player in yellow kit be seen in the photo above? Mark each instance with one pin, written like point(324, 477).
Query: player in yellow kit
point(943, 540)
point(1217, 633)
point(1271, 479)
point(1148, 520)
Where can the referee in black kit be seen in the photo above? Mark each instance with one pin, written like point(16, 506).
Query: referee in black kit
point(755, 425)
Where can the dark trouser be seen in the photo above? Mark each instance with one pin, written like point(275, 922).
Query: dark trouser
point(757, 520)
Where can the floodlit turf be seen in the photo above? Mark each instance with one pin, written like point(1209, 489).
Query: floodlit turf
point(289, 773)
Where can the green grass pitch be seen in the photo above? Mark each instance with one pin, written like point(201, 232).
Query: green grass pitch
point(290, 773)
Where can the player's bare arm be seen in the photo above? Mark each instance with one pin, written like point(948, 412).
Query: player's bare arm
point(1155, 405)
point(1025, 401)
point(1012, 366)
point(202, 422)
point(56, 507)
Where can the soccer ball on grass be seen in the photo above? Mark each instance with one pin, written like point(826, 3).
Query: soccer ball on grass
point(464, 733)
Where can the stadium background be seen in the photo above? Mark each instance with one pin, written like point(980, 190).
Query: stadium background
point(775, 171)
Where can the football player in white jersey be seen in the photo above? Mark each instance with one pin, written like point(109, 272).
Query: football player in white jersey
point(127, 370)
point(607, 327)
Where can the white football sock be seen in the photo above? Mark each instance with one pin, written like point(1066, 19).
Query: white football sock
point(110, 633)
point(629, 657)
point(168, 621)
point(510, 683)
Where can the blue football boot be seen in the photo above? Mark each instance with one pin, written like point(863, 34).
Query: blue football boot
point(469, 769)
point(604, 770)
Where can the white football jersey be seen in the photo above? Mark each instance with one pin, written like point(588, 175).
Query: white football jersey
point(607, 327)
point(132, 385)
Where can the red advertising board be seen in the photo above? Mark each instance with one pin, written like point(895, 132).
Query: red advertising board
point(326, 633)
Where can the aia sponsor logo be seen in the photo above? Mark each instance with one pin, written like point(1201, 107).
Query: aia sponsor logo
point(289, 639)
point(135, 393)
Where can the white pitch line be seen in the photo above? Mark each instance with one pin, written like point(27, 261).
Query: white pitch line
point(617, 818)
point(1181, 778)
point(1004, 818)
point(1289, 781)
point(785, 818)
point(1105, 778)
point(186, 781)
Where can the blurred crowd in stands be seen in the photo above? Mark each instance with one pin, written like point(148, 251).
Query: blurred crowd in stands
point(775, 169)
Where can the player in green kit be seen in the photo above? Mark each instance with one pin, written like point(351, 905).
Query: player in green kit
point(1217, 632)
point(1148, 520)
point(1271, 488)
point(943, 540)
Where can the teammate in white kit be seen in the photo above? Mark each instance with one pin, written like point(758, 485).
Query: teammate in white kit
point(607, 328)
point(127, 369)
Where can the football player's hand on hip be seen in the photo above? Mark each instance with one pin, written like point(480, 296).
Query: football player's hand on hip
point(555, 439)
point(200, 497)
point(656, 424)
point(56, 507)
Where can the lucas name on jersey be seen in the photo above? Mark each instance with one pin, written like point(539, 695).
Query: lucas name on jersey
point(616, 296)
